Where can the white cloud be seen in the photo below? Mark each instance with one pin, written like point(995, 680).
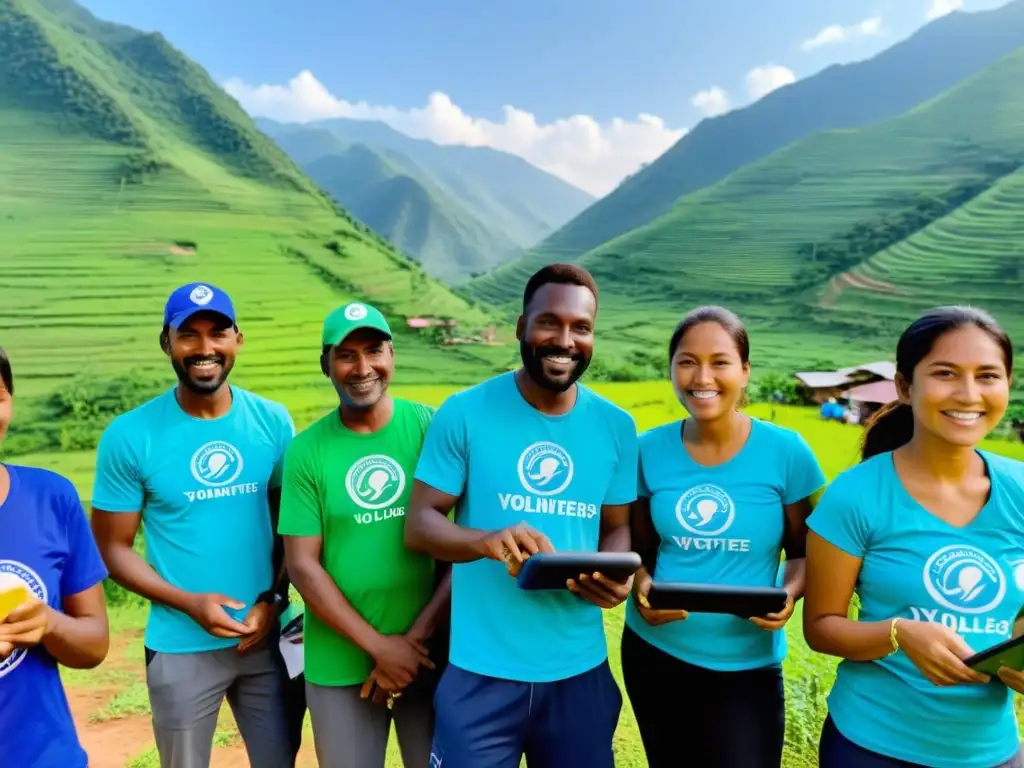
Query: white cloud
point(712, 101)
point(578, 149)
point(763, 80)
point(939, 8)
point(839, 34)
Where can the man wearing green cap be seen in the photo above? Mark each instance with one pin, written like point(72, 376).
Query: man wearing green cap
point(376, 613)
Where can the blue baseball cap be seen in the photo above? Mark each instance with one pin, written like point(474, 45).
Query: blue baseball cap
point(196, 297)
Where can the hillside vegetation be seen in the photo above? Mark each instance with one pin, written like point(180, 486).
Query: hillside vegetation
point(849, 96)
point(468, 209)
point(783, 240)
point(125, 172)
point(411, 211)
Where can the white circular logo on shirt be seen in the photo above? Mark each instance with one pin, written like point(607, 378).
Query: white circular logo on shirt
point(14, 574)
point(375, 482)
point(705, 510)
point(545, 469)
point(216, 464)
point(201, 295)
point(355, 312)
point(963, 578)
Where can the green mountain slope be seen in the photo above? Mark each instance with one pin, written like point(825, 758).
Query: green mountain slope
point(790, 242)
point(401, 202)
point(507, 195)
point(974, 254)
point(909, 73)
point(124, 172)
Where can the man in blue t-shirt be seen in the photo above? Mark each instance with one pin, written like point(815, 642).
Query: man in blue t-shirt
point(200, 467)
point(533, 462)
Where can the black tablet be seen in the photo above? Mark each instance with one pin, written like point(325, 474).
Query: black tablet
point(552, 570)
point(1009, 653)
point(744, 602)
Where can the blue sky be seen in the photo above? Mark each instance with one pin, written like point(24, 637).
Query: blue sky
point(567, 68)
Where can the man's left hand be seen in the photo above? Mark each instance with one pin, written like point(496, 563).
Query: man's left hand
point(598, 589)
point(775, 621)
point(260, 619)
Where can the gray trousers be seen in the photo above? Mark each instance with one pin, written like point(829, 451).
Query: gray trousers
point(350, 732)
point(186, 691)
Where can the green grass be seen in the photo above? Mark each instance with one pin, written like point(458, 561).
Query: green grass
point(808, 675)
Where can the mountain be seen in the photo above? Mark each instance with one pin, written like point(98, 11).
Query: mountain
point(503, 203)
point(849, 96)
point(125, 171)
point(850, 233)
point(407, 208)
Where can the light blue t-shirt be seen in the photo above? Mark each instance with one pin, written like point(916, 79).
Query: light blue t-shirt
point(918, 567)
point(202, 486)
point(511, 464)
point(722, 525)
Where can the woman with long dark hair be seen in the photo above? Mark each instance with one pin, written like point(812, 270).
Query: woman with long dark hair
point(722, 495)
point(52, 609)
point(928, 529)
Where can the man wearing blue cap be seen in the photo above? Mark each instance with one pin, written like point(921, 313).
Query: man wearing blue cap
point(200, 466)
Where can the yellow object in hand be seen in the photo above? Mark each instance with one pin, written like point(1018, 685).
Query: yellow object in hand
point(11, 599)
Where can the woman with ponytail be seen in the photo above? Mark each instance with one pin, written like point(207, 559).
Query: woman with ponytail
point(929, 531)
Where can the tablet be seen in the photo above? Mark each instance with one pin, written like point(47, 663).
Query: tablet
point(11, 599)
point(552, 569)
point(1009, 653)
point(744, 602)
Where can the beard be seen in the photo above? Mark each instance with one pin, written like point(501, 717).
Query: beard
point(204, 386)
point(533, 362)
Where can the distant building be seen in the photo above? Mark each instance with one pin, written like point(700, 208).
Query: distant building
point(430, 322)
point(864, 388)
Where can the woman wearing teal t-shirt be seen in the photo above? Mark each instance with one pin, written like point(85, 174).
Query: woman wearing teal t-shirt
point(721, 495)
point(929, 531)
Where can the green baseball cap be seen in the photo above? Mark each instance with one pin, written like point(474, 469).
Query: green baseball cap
point(350, 317)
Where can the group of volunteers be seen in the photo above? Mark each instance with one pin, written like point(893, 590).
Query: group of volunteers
point(402, 527)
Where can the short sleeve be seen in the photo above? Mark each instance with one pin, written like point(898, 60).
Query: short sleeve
point(442, 463)
point(803, 472)
point(300, 513)
point(84, 567)
point(839, 517)
point(623, 486)
point(285, 433)
point(118, 484)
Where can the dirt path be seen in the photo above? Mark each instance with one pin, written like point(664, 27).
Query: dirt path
point(113, 743)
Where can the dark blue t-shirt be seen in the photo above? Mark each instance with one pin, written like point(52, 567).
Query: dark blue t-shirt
point(45, 545)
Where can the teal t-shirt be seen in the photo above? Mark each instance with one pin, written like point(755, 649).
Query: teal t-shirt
point(722, 525)
point(511, 464)
point(918, 567)
point(202, 487)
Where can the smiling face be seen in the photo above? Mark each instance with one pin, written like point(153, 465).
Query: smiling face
point(961, 389)
point(361, 367)
point(556, 335)
point(203, 351)
point(708, 373)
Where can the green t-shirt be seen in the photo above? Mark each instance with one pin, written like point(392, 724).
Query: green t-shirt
point(353, 489)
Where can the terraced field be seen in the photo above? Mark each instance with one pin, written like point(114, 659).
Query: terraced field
point(980, 245)
point(88, 262)
point(738, 242)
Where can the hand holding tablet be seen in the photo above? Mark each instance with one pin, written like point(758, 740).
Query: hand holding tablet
point(744, 602)
point(602, 578)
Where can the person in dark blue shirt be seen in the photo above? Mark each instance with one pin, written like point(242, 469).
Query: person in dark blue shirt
point(49, 559)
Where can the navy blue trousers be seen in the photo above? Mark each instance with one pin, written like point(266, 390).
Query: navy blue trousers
point(487, 722)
